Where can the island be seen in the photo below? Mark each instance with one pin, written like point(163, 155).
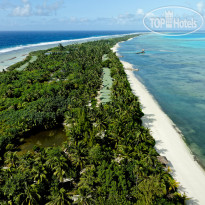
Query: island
point(108, 157)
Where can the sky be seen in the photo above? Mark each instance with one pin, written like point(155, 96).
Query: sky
point(82, 14)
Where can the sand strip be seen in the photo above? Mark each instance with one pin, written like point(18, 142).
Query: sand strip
point(169, 142)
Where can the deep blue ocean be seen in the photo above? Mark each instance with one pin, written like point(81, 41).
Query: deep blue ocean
point(173, 70)
point(15, 45)
point(15, 39)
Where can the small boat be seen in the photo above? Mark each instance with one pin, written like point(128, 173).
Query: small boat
point(143, 51)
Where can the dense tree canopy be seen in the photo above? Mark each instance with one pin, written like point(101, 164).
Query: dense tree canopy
point(108, 158)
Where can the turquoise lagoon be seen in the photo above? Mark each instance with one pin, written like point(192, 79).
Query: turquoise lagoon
point(173, 70)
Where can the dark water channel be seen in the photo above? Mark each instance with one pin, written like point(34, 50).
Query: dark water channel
point(47, 138)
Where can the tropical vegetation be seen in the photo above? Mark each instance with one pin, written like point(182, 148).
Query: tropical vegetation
point(108, 158)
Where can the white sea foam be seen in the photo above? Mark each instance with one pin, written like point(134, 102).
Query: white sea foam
point(20, 47)
point(169, 141)
point(22, 50)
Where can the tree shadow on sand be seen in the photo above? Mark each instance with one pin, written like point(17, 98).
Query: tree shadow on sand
point(190, 201)
point(148, 120)
point(160, 151)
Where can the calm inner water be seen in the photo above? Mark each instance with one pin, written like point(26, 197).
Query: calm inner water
point(46, 138)
point(173, 70)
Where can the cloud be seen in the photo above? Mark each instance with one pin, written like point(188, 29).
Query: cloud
point(6, 4)
point(24, 10)
point(129, 18)
point(25, 1)
point(124, 19)
point(150, 14)
point(77, 20)
point(44, 9)
point(200, 6)
point(140, 12)
point(47, 9)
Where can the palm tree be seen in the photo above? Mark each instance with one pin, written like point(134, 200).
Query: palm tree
point(59, 197)
point(39, 173)
point(87, 176)
point(149, 189)
point(78, 154)
point(173, 184)
point(30, 195)
point(85, 197)
point(11, 159)
point(59, 164)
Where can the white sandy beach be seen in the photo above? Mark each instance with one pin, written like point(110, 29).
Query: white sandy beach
point(169, 142)
point(115, 48)
point(10, 56)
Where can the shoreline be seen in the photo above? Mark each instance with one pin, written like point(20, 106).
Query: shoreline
point(169, 141)
point(10, 56)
